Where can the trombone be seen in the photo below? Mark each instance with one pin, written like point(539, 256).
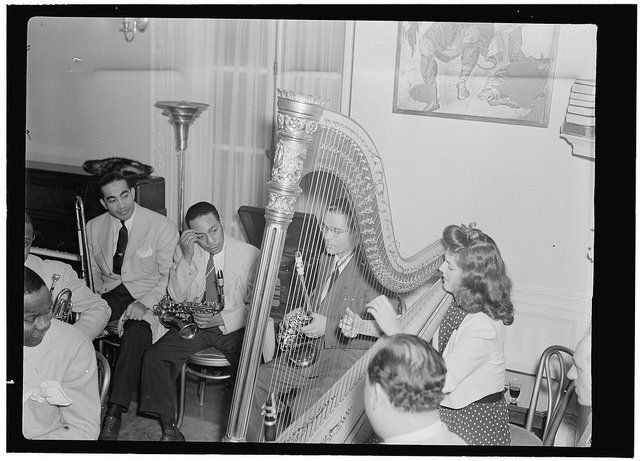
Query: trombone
point(85, 257)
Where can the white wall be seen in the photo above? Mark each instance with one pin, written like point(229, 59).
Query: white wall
point(521, 185)
point(87, 91)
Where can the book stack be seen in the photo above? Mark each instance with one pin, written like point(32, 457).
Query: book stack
point(579, 127)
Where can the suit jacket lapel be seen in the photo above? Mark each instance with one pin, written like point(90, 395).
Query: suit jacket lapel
point(231, 266)
point(39, 364)
point(136, 234)
point(106, 241)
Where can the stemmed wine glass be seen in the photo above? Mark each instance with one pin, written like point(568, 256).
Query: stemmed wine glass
point(514, 390)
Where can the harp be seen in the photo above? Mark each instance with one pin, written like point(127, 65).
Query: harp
point(314, 140)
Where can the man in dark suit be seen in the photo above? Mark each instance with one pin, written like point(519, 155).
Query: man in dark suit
point(205, 253)
point(131, 252)
point(344, 285)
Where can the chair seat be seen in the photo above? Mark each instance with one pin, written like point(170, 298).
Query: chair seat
point(520, 437)
point(210, 357)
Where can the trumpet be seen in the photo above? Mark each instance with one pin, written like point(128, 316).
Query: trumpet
point(180, 315)
point(62, 306)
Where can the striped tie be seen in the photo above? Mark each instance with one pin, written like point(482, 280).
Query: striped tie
point(211, 294)
point(330, 281)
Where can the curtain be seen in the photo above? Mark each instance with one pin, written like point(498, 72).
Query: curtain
point(229, 65)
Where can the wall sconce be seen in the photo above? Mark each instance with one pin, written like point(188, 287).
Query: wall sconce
point(139, 24)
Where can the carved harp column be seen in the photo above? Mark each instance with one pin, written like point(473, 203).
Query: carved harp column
point(297, 121)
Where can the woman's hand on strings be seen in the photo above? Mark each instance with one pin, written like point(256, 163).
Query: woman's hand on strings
point(385, 314)
point(316, 328)
point(351, 324)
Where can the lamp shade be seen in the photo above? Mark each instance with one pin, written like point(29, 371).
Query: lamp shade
point(181, 114)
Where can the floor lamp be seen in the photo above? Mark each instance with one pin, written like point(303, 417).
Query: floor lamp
point(181, 115)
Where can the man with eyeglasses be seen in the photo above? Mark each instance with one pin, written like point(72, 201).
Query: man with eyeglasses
point(206, 258)
point(344, 286)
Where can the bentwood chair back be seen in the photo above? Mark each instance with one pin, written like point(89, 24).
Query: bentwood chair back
point(104, 378)
point(560, 389)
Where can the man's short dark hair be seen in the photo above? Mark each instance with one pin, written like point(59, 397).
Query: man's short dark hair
point(410, 371)
point(342, 205)
point(109, 178)
point(200, 209)
point(32, 281)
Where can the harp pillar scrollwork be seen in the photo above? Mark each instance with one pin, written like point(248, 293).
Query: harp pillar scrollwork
point(297, 121)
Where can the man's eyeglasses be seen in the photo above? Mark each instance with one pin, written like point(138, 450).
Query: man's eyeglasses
point(327, 230)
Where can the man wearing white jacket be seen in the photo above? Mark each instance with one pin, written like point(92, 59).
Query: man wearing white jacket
point(204, 254)
point(93, 311)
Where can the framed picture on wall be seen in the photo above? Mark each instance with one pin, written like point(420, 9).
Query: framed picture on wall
point(490, 72)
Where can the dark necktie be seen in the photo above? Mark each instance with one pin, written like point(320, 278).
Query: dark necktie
point(451, 321)
point(211, 295)
point(330, 281)
point(123, 238)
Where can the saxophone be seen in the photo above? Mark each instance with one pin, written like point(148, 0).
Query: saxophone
point(180, 315)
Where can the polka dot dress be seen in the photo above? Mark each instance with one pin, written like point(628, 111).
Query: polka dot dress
point(479, 423)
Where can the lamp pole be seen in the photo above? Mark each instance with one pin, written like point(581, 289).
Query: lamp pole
point(181, 114)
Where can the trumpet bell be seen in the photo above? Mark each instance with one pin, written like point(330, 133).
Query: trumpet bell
point(62, 306)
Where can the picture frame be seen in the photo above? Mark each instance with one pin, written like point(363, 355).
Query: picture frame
point(489, 72)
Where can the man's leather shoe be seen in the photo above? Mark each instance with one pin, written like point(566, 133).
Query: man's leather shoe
point(110, 428)
point(172, 434)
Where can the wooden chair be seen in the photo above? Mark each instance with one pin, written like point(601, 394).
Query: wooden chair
point(560, 390)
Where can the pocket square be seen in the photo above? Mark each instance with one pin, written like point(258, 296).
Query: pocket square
point(144, 253)
point(51, 391)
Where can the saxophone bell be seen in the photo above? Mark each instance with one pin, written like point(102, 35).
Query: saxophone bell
point(187, 329)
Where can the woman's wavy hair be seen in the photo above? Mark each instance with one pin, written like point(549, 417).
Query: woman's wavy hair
point(484, 286)
point(410, 371)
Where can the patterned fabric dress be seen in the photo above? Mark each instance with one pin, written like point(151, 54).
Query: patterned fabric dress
point(477, 423)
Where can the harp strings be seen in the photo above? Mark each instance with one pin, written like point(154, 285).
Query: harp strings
point(323, 188)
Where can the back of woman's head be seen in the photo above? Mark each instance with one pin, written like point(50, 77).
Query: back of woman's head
point(485, 286)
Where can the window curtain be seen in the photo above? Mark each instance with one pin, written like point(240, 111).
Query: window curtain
point(229, 65)
point(312, 59)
